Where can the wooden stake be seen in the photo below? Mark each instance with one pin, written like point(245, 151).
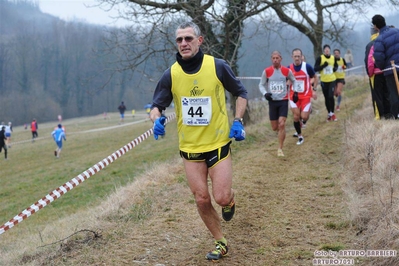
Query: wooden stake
point(395, 74)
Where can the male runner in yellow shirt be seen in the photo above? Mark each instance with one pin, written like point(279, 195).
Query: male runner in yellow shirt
point(196, 83)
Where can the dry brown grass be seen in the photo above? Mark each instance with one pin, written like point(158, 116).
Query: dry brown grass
point(370, 181)
point(286, 207)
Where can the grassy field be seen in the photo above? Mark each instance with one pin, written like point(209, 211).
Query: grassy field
point(32, 171)
point(139, 210)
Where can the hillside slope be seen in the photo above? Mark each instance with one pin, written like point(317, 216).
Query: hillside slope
point(287, 208)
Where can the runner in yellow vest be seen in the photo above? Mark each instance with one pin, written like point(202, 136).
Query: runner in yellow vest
point(326, 65)
point(197, 83)
point(340, 77)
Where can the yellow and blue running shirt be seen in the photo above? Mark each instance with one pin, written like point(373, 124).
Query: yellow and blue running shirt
point(340, 73)
point(199, 98)
point(327, 74)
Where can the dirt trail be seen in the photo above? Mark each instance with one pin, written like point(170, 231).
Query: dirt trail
point(286, 207)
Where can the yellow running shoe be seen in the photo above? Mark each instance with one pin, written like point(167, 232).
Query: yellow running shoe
point(220, 251)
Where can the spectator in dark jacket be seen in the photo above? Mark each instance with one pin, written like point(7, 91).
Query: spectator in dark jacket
point(386, 49)
point(378, 86)
point(122, 109)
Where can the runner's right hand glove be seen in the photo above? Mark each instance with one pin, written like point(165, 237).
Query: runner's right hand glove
point(159, 127)
point(325, 64)
point(268, 96)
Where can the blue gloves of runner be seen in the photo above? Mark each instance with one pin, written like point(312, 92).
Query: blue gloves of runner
point(159, 127)
point(237, 131)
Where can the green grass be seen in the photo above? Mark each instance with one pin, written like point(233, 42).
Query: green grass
point(32, 171)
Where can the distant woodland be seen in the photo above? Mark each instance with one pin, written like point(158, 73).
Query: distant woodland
point(50, 67)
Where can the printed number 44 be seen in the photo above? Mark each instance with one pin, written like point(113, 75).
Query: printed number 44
point(198, 112)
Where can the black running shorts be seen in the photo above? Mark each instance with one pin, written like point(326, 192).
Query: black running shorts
point(340, 81)
point(211, 158)
point(277, 109)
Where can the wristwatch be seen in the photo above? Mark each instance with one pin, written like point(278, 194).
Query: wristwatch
point(314, 87)
point(239, 120)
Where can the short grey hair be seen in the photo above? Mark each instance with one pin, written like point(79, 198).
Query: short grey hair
point(276, 52)
point(190, 24)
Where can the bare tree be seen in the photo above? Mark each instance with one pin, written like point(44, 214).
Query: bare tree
point(221, 22)
point(318, 20)
point(151, 36)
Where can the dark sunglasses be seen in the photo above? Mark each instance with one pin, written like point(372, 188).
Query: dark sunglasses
point(186, 38)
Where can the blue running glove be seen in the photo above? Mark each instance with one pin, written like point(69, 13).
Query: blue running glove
point(237, 131)
point(159, 127)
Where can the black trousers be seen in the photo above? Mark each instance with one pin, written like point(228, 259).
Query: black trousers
point(380, 97)
point(328, 92)
point(4, 146)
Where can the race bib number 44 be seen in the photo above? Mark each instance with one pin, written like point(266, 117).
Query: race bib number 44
point(196, 111)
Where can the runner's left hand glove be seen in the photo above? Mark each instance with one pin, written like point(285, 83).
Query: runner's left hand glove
point(159, 127)
point(268, 96)
point(237, 131)
point(295, 97)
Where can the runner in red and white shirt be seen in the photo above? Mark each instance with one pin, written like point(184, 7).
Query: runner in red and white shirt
point(301, 92)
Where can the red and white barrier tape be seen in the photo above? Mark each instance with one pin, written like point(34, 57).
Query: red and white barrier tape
point(353, 68)
point(55, 194)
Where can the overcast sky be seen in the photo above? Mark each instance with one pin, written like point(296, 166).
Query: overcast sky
point(86, 10)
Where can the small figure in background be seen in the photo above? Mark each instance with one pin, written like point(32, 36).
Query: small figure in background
point(349, 59)
point(8, 134)
point(340, 77)
point(122, 109)
point(58, 135)
point(2, 141)
point(34, 127)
